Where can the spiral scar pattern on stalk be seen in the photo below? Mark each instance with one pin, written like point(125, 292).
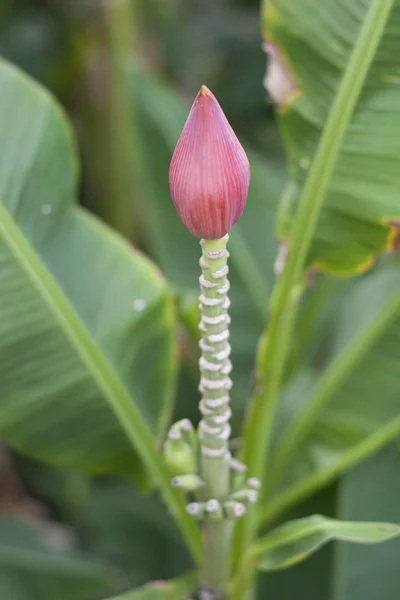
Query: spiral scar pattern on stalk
point(215, 365)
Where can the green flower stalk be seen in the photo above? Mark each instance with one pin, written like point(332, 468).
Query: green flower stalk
point(215, 383)
point(209, 179)
point(215, 366)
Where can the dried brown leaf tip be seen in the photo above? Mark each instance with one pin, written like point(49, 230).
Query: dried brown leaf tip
point(394, 235)
point(278, 80)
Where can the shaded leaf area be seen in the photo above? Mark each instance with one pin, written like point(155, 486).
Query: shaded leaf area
point(132, 531)
point(160, 116)
point(370, 491)
point(330, 421)
point(37, 41)
point(32, 568)
point(85, 320)
point(310, 42)
point(308, 580)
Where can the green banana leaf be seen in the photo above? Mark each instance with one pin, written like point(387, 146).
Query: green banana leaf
point(86, 322)
point(309, 43)
point(32, 568)
point(296, 540)
point(333, 420)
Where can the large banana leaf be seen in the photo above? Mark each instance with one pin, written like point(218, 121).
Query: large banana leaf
point(335, 419)
point(86, 323)
point(309, 42)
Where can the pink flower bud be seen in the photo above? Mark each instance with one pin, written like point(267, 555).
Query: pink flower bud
point(209, 174)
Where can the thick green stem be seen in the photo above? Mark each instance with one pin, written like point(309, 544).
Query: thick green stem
point(215, 384)
point(217, 535)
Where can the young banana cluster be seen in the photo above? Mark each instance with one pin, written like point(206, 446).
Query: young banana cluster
point(182, 458)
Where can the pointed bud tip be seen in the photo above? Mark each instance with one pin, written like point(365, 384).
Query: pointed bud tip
point(209, 173)
point(204, 91)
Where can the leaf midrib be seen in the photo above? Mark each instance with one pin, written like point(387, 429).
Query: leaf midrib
point(76, 332)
